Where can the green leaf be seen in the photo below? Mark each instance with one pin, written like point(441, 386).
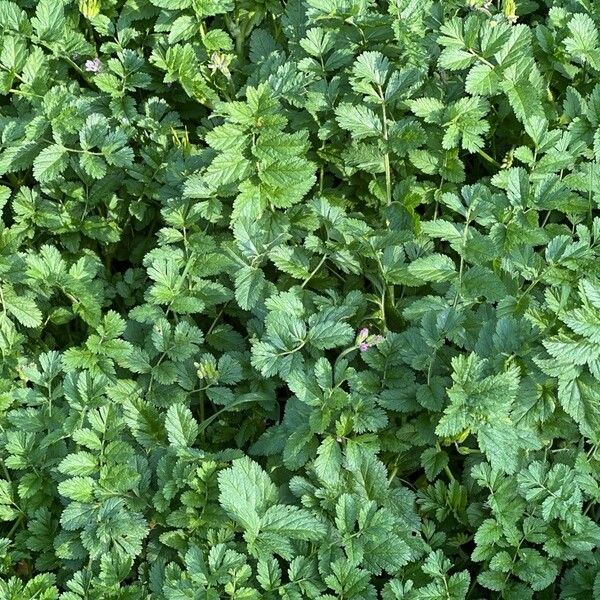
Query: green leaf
point(430, 109)
point(49, 20)
point(22, 307)
point(246, 492)
point(80, 489)
point(482, 80)
point(328, 461)
point(372, 67)
point(79, 463)
point(580, 400)
point(182, 428)
point(183, 28)
point(94, 132)
point(535, 569)
point(172, 5)
point(249, 286)
point(524, 98)
point(77, 515)
point(50, 163)
point(435, 267)
point(456, 59)
point(292, 522)
point(582, 43)
point(330, 334)
point(434, 461)
point(501, 444)
point(360, 121)
point(294, 261)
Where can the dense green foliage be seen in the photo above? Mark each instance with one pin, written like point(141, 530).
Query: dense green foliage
point(299, 299)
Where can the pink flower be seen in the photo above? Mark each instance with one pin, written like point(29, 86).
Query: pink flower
point(93, 66)
point(364, 341)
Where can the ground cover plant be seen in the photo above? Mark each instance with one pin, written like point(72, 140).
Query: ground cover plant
point(299, 299)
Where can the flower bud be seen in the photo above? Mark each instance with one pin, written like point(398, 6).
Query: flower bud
point(207, 368)
point(89, 8)
point(363, 334)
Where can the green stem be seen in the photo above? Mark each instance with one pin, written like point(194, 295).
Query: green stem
point(590, 205)
point(240, 38)
point(7, 474)
point(384, 291)
point(449, 473)
point(462, 260)
point(22, 93)
point(216, 319)
point(204, 424)
point(345, 352)
point(202, 412)
point(446, 468)
point(480, 58)
point(388, 176)
point(239, 43)
point(314, 271)
point(489, 158)
point(15, 526)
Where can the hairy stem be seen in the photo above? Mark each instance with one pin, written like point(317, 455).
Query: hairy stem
point(388, 176)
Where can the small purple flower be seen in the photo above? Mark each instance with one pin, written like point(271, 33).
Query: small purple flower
point(93, 66)
point(364, 341)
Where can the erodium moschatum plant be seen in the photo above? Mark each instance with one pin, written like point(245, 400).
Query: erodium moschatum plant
point(299, 299)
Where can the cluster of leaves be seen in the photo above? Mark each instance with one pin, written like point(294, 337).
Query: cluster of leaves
point(299, 299)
